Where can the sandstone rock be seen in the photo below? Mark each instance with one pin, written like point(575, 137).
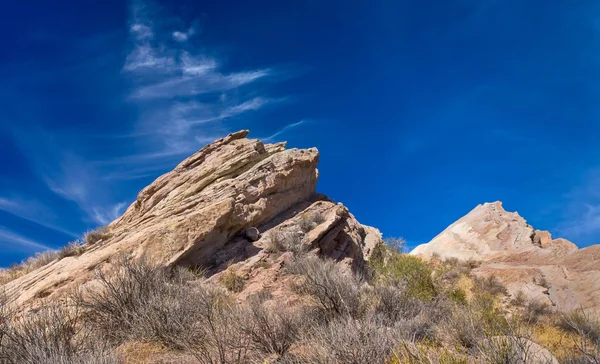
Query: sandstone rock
point(553, 271)
point(252, 234)
point(208, 212)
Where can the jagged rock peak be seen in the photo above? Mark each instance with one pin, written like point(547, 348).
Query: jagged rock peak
point(216, 207)
point(487, 230)
point(550, 271)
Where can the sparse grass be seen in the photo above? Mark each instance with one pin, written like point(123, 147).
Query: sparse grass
point(30, 264)
point(94, 236)
point(73, 249)
point(263, 264)
point(232, 281)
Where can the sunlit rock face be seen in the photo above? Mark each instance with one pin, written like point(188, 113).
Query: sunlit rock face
point(553, 271)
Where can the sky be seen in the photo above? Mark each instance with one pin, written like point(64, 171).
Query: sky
point(421, 109)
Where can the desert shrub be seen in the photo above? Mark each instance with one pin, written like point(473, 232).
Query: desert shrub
point(232, 281)
point(535, 309)
point(587, 337)
point(138, 301)
point(350, 341)
point(280, 241)
point(73, 249)
point(93, 236)
point(503, 349)
point(394, 268)
point(469, 324)
point(147, 303)
point(337, 293)
point(491, 285)
point(520, 299)
point(543, 282)
point(393, 304)
point(51, 335)
point(271, 330)
point(306, 225)
point(310, 220)
point(458, 295)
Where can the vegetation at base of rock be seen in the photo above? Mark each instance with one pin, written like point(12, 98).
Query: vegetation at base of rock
point(345, 318)
point(41, 259)
point(30, 264)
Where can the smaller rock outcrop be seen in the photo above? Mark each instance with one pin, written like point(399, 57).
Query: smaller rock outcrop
point(551, 271)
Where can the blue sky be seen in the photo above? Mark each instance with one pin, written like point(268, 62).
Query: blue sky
point(421, 109)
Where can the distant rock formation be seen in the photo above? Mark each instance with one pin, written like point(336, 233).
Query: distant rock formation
point(219, 207)
point(549, 270)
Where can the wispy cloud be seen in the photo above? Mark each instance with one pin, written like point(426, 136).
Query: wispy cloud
point(66, 174)
point(74, 181)
point(11, 240)
point(32, 210)
point(182, 90)
point(284, 130)
point(180, 36)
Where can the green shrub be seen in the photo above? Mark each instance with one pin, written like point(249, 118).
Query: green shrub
point(458, 295)
point(392, 267)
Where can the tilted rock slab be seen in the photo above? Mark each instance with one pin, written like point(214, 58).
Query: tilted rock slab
point(204, 211)
point(549, 270)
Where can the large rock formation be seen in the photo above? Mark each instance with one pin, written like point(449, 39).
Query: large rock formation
point(549, 270)
point(216, 208)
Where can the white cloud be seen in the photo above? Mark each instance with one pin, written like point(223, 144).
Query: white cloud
point(74, 180)
point(141, 31)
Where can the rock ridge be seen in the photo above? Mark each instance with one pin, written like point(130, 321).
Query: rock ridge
point(198, 215)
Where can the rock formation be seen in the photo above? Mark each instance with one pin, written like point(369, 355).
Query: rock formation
point(219, 207)
point(549, 270)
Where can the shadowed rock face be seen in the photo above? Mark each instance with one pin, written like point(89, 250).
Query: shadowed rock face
point(550, 270)
point(202, 212)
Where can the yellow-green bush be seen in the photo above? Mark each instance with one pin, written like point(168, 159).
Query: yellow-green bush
point(392, 267)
